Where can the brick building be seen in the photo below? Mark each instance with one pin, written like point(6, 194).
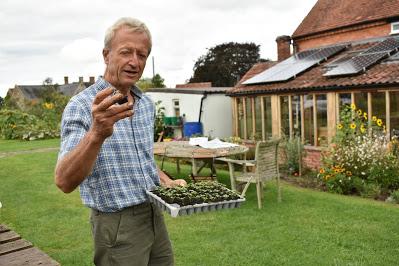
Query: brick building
point(344, 52)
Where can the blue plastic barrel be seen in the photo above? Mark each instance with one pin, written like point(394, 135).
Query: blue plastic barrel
point(191, 128)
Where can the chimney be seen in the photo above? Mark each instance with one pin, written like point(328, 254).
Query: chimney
point(92, 80)
point(283, 47)
point(66, 80)
point(80, 79)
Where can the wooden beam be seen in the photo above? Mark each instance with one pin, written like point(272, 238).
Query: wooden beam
point(253, 113)
point(244, 107)
point(302, 119)
point(332, 115)
point(315, 133)
point(388, 114)
point(235, 116)
point(262, 112)
point(337, 107)
point(275, 104)
point(369, 110)
point(291, 125)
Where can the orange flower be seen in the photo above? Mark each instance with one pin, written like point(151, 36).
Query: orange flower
point(322, 171)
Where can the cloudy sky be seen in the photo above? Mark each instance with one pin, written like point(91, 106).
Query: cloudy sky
point(45, 38)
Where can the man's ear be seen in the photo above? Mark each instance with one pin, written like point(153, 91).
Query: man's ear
point(105, 55)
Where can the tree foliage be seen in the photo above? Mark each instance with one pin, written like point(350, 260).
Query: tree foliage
point(226, 63)
point(156, 82)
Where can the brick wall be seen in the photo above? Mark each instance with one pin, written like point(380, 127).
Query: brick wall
point(344, 35)
point(312, 158)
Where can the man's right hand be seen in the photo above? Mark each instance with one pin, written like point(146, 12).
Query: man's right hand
point(106, 113)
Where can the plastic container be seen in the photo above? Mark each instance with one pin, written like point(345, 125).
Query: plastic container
point(191, 128)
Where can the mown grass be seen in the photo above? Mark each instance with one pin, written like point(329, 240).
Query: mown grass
point(18, 145)
point(307, 228)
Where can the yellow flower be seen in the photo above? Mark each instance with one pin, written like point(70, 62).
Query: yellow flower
point(379, 122)
point(339, 126)
point(322, 171)
point(365, 115)
point(48, 106)
point(374, 118)
point(327, 177)
point(353, 106)
point(359, 112)
point(353, 126)
point(348, 173)
point(362, 129)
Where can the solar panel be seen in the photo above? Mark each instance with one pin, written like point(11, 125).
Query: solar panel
point(294, 65)
point(355, 64)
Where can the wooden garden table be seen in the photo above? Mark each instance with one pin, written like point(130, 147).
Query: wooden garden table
point(199, 157)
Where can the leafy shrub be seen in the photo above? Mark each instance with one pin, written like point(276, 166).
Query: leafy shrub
point(370, 190)
point(394, 196)
point(294, 151)
point(15, 124)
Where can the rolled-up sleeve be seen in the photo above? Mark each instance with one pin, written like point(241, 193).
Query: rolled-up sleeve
point(74, 126)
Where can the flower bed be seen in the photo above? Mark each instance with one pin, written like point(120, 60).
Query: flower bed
point(195, 198)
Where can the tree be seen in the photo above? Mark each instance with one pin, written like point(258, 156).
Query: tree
point(1, 102)
point(155, 82)
point(226, 63)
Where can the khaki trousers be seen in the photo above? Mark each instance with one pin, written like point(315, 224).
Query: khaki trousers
point(134, 236)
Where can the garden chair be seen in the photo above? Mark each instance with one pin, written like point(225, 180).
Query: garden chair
point(266, 168)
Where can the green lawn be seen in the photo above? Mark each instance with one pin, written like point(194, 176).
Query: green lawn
point(18, 145)
point(307, 228)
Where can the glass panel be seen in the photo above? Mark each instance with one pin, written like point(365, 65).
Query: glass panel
point(285, 126)
point(361, 101)
point(258, 119)
point(308, 117)
point(248, 107)
point(296, 114)
point(378, 105)
point(321, 113)
point(267, 103)
point(394, 99)
point(240, 117)
point(344, 99)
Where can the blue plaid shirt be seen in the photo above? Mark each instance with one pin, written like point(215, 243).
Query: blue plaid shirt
point(125, 166)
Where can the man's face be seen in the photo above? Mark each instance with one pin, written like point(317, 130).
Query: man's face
point(126, 57)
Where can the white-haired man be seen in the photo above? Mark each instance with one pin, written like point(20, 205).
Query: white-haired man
point(107, 150)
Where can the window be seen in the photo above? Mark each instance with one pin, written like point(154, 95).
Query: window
point(378, 105)
point(321, 114)
point(240, 118)
point(267, 105)
point(394, 101)
point(296, 115)
point(285, 123)
point(394, 27)
point(258, 118)
point(176, 107)
point(308, 119)
point(248, 115)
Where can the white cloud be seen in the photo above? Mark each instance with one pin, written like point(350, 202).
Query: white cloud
point(45, 38)
point(84, 50)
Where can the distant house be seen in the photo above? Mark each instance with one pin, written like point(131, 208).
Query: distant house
point(343, 52)
point(197, 103)
point(31, 93)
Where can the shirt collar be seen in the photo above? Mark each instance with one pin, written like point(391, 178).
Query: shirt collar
point(102, 84)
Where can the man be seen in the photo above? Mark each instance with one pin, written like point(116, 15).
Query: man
point(107, 150)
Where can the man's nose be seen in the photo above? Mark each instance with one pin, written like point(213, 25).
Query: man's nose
point(133, 60)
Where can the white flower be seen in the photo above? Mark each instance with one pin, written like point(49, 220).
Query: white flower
point(0, 205)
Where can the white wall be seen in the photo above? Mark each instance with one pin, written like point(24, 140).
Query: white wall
point(217, 116)
point(189, 104)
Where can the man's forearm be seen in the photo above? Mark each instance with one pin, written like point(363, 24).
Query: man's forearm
point(78, 163)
